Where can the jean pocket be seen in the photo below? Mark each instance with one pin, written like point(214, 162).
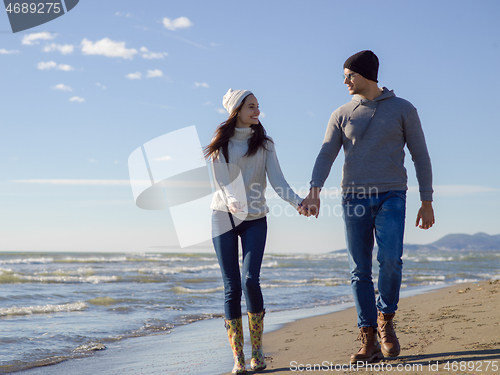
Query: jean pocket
point(346, 197)
point(400, 193)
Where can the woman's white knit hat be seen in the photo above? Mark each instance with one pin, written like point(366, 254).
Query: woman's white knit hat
point(233, 99)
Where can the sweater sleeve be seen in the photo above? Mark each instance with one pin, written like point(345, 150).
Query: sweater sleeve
point(220, 172)
point(415, 141)
point(276, 178)
point(328, 152)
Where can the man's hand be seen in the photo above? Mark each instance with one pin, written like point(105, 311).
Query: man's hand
point(310, 205)
point(426, 214)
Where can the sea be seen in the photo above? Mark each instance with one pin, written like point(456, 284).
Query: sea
point(58, 307)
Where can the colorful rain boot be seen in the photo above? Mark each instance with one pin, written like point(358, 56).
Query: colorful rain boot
point(235, 335)
point(256, 325)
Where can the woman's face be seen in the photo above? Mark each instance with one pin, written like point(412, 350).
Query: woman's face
point(249, 113)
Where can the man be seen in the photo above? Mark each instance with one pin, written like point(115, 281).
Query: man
point(373, 129)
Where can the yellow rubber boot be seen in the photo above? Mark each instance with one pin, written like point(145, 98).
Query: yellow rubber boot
point(235, 335)
point(256, 325)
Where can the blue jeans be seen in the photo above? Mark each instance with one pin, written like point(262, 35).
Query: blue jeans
point(382, 215)
point(253, 241)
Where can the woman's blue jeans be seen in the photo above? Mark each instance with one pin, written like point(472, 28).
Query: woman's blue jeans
point(253, 240)
point(381, 215)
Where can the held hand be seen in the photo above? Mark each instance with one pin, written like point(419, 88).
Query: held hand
point(426, 215)
point(236, 207)
point(310, 205)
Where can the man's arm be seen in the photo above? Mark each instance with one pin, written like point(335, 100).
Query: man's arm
point(327, 155)
point(415, 141)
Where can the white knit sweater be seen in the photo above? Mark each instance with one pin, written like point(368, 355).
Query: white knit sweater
point(253, 170)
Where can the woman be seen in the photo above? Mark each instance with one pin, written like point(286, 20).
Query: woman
point(242, 155)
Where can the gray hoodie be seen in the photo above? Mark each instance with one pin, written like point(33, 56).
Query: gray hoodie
point(374, 134)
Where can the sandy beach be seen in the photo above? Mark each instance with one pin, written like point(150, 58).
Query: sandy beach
point(455, 330)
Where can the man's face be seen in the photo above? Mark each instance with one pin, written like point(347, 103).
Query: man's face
point(357, 84)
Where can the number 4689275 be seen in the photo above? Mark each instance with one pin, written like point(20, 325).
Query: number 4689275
point(33, 8)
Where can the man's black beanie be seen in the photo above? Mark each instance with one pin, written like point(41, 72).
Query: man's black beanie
point(364, 63)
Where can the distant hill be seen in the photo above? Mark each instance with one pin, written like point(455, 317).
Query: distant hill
point(478, 241)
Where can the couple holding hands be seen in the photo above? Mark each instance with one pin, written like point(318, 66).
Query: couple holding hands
point(373, 128)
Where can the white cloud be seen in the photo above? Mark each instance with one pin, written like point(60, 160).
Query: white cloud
point(221, 110)
point(203, 84)
point(76, 182)
point(100, 85)
point(62, 87)
point(136, 75)
point(92, 160)
point(53, 65)
point(46, 65)
point(65, 49)
point(34, 38)
point(152, 55)
point(154, 73)
point(107, 47)
point(65, 67)
point(3, 51)
point(76, 99)
point(178, 23)
point(121, 14)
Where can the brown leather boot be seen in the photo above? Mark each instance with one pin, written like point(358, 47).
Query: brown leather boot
point(388, 340)
point(370, 348)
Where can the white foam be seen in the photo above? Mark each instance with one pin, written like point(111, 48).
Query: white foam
point(47, 309)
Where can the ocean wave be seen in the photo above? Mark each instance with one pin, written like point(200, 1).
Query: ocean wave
point(429, 277)
point(27, 261)
point(184, 290)
point(272, 286)
point(103, 301)
point(15, 278)
point(90, 347)
point(436, 283)
point(428, 259)
point(175, 270)
point(307, 257)
point(462, 281)
point(274, 264)
point(47, 309)
point(92, 260)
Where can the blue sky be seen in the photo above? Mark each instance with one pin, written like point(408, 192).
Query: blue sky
point(81, 93)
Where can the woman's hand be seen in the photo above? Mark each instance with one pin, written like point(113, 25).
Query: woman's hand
point(236, 207)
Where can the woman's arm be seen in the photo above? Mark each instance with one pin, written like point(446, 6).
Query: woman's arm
point(276, 178)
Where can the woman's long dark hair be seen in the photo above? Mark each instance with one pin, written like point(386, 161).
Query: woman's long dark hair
point(225, 131)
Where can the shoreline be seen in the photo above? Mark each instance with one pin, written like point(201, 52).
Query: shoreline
point(307, 336)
